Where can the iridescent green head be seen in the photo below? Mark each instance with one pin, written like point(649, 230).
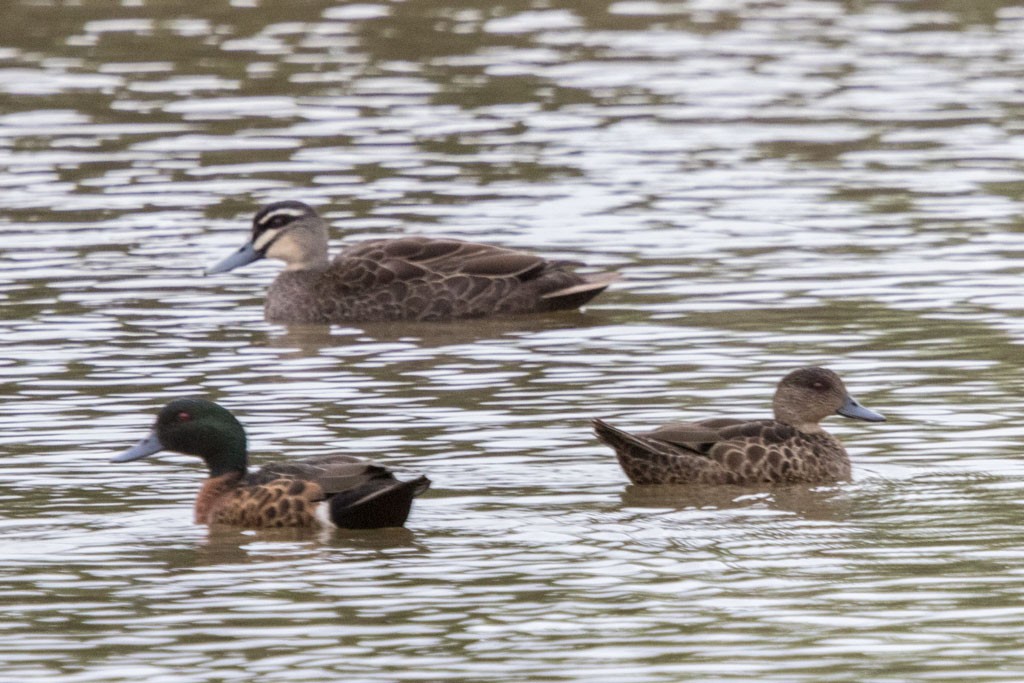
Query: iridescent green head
point(195, 426)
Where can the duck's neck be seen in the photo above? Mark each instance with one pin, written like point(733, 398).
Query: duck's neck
point(222, 466)
point(795, 419)
point(313, 264)
point(224, 451)
point(809, 427)
point(303, 247)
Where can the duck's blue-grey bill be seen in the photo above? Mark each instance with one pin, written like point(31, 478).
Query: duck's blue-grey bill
point(858, 412)
point(246, 254)
point(148, 446)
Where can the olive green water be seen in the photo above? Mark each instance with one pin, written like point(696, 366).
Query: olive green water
point(781, 183)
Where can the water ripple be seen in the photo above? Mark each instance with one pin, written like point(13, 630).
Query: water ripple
point(780, 184)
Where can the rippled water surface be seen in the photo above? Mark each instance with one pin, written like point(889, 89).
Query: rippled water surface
point(780, 183)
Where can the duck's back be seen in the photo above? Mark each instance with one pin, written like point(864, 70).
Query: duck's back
point(358, 494)
point(332, 473)
point(419, 278)
point(727, 451)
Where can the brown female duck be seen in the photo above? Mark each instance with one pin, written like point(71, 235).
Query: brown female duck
point(788, 449)
point(344, 490)
point(409, 278)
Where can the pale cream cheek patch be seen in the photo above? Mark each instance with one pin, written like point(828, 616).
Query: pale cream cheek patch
point(288, 249)
point(265, 238)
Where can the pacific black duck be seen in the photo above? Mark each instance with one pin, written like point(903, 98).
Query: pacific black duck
point(408, 278)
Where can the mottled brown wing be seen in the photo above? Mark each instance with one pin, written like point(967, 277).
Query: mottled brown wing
point(647, 460)
point(416, 278)
point(504, 263)
point(411, 257)
point(419, 278)
point(767, 432)
point(692, 436)
point(723, 422)
point(699, 437)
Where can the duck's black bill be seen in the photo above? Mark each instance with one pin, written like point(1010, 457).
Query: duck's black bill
point(851, 408)
point(148, 446)
point(247, 254)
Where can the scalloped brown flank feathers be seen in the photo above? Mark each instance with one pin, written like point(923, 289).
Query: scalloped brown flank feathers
point(409, 278)
point(358, 494)
point(792, 448)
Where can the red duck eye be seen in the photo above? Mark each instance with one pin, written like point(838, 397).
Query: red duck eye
point(184, 417)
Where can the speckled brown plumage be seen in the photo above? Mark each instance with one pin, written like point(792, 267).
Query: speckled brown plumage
point(278, 503)
point(410, 278)
point(789, 449)
point(359, 494)
point(417, 278)
point(749, 453)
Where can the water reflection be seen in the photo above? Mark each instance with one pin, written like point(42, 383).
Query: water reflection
point(312, 339)
point(225, 546)
point(812, 503)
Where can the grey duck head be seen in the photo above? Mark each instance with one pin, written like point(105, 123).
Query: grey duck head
point(807, 396)
point(290, 231)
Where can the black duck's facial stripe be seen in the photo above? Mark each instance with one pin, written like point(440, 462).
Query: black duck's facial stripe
point(265, 239)
point(281, 216)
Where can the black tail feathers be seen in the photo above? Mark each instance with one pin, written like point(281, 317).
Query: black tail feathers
point(376, 504)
